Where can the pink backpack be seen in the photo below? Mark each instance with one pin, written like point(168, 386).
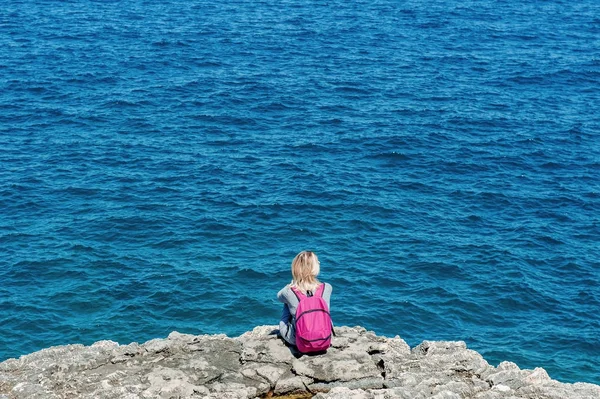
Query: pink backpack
point(313, 322)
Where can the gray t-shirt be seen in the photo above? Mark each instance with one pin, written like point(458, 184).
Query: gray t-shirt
point(287, 296)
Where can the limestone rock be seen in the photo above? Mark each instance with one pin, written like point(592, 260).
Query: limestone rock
point(258, 364)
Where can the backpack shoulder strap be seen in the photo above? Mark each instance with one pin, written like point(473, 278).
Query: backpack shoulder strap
point(320, 290)
point(298, 293)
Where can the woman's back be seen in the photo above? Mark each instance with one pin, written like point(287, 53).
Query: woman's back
point(305, 268)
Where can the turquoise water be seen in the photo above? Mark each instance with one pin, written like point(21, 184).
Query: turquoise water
point(161, 162)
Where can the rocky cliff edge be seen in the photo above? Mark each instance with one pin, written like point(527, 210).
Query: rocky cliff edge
point(258, 364)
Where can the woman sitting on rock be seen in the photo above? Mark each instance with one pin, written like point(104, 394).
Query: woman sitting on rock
point(305, 321)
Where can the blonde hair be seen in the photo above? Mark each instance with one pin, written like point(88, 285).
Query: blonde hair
point(305, 269)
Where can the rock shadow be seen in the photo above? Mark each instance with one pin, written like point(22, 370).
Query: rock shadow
point(294, 349)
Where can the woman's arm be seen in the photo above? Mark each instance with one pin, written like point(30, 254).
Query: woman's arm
point(286, 316)
point(327, 294)
point(282, 294)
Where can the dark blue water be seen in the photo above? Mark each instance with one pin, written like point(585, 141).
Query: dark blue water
point(161, 162)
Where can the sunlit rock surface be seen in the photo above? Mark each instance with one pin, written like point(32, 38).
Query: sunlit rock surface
point(258, 364)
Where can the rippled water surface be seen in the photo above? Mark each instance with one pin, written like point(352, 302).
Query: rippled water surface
point(161, 162)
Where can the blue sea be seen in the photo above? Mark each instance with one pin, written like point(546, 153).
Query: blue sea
point(162, 161)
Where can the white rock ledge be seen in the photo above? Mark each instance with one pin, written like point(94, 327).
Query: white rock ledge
point(258, 364)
